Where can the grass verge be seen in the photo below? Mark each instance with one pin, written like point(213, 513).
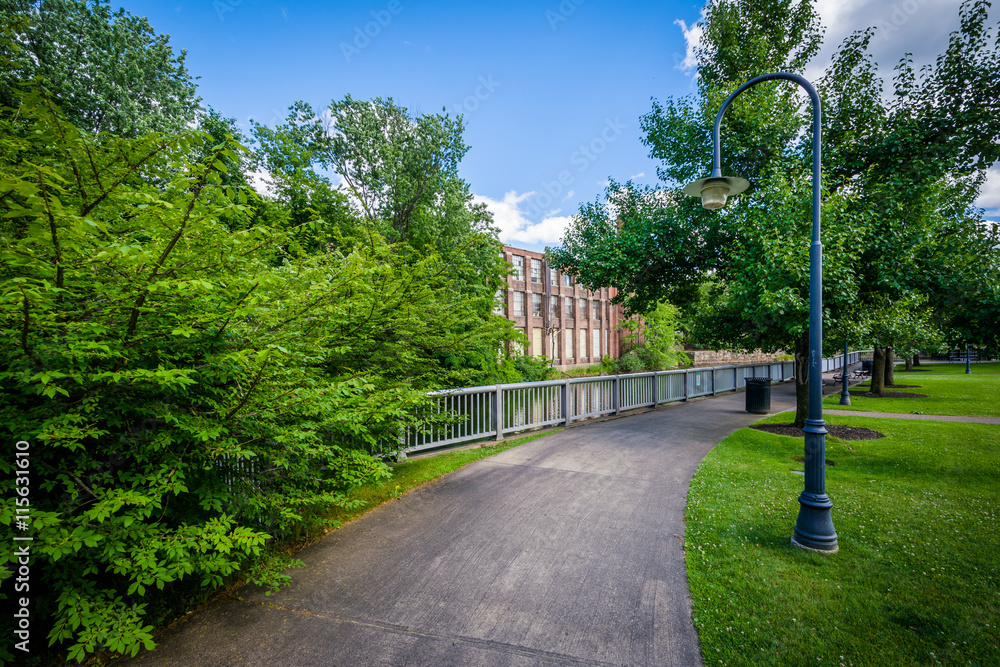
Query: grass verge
point(948, 389)
point(917, 578)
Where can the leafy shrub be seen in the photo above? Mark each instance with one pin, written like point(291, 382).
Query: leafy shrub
point(630, 362)
point(533, 369)
point(186, 396)
point(653, 338)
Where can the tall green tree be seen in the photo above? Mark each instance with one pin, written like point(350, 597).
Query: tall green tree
point(400, 182)
point(108, 70)
point(742, 271)
point(914, 165)
point(899, 179)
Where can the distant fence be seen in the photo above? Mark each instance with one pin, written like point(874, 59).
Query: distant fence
point(478, 413)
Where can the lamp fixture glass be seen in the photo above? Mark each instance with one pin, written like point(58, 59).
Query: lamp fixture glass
point(714, 191)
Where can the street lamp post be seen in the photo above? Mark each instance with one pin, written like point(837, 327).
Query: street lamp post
point(845, 394)
point(814, 528)
point(968, 360)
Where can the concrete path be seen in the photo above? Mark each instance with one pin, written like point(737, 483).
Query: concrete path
point(565, 550)
point(907, 415)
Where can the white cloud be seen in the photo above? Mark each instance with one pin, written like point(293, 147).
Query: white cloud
point(514, 225)
point(692, 37)
point(569, 195)
point(918, 27)
point(989, 196)
point(637, 176)
point(260, 180)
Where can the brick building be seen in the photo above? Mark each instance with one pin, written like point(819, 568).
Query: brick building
point(562, 320)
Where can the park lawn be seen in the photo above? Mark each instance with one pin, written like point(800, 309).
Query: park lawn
point(917, 577)
point(948, 389)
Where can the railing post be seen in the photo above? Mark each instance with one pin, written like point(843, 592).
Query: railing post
point(498, 412)
point(685, 384)
point(656, 389)
point(564, 401)
point(713, 380)
point(618, 394)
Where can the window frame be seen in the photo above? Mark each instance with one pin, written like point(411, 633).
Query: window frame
point(518, 302)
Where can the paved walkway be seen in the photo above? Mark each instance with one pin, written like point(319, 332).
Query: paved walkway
point(909, 415)
point(564, 551)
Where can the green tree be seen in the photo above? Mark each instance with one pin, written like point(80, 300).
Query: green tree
point(901, 179)
point(400, 182)
point(914, 165)
point(108, 71)
point(743, 271)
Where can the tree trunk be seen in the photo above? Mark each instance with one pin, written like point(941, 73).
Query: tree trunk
point(801, 380)
point(909, 363)
point(890, 366)
point(916, 359)
point(878, 371)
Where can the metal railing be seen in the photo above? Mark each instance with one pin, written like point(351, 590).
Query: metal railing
point(479, 413)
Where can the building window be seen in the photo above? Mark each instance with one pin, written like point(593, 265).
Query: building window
point(536, 342)
point(583, 343)
point(567, 280)
point(553, 278)
point(536, 271)
point(518, 304)
point(536, 305)
point(582, 309)
point(518, 267)
point(597, 310)
point(499, 304)
point(553, 307)
point(568, 307)
point(596, 338)
point(569, 344)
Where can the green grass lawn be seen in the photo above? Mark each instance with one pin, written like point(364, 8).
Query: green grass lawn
point(917, 578)
point(948, 389)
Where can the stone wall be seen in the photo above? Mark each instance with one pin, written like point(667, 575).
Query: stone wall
point(726, 358)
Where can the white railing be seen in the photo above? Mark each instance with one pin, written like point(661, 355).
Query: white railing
point(478, 413)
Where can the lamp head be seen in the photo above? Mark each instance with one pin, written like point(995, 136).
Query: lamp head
point(716, 189)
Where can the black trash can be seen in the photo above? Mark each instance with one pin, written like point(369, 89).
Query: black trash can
point(758, 396)
point(866, 365)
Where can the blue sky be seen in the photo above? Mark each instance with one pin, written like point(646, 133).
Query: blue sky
point(552, 92)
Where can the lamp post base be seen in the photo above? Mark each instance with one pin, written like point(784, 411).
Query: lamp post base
point(845, 399)
point(798, 544)
point(814, 528)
